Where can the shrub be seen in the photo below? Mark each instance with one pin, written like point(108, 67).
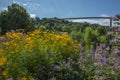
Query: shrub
point(34, 54)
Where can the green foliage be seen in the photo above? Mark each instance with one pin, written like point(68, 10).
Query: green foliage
point(14, 18)
point(94, 37)
point(103, 39)
point(87, 35)
point(76, 35)
point(91, 35)
point(78, 31)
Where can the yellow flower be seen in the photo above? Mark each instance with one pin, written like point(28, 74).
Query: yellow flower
point(2, 61)
point(1, 37)
point(1, 52)
point(30, 78)
point(8, 34)
point(23, 78)
point(6, 43)
point(78, 45)
point(12, 52)
point(4, 73)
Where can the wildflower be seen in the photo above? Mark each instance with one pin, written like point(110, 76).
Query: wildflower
point(4, 73)
point(2, 61)
point(1, 37)
point(8, 34)
point(10, 79)
point(23, 78)
point(1, 52)
point(113, 72)
point(12, 52)
point(6, 43)
point(117, 50)
point(78, 45)
point(30, 78)
point(103, 61)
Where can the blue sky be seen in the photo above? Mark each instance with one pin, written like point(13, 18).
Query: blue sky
point(66, 8)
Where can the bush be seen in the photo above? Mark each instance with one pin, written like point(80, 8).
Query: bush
point(34, 54)
point(16, 17)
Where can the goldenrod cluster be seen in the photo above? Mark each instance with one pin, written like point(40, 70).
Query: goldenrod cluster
point(16, 45)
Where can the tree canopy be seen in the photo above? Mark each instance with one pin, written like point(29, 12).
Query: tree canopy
point(15, 17)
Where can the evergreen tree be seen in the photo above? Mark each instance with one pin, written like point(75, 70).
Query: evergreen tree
point(16, 17)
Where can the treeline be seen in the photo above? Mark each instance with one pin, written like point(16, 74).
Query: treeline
point(85, 32)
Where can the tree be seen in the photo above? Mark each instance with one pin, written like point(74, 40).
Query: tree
point(37, 19)
point(16, 17)
point(116, 19)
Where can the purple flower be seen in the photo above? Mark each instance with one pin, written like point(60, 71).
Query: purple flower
point(103, 61)
point(103, 46)
point(117, 50)
point(10, 79)
point(119, 29)
point(113, 41)
point(53, 78)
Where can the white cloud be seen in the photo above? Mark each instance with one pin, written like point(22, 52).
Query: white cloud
point(33, 6)
point(95, 21)
point(24, 4)
point(104, 15)
point(104, 21)
point(4, 9)
point(14, 1)
point(30, 5)
point(32, 15)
